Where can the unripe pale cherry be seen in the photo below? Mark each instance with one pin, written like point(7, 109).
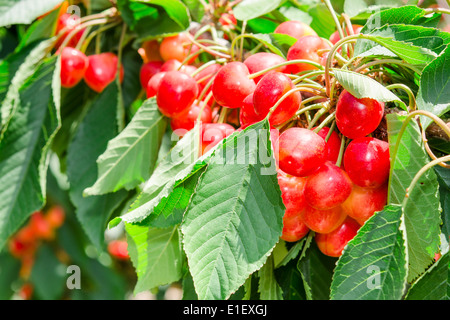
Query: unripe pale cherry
point(323, 221)
point(332, 244)
point(294, 229)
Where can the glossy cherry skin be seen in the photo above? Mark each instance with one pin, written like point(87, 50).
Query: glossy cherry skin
point(247, 115)
point(213, 133)
point(294, 229)
point(73, 67)
point(269, 90)
point(367, 162)
point(333, 144)
point(301, 152)
point(307, 48)
point(177, 47)
point(69, 21)
point(328, 187)
point(153, 84)
point(364, 202)
point(176, 93)
point(292, 193)
point(263, 60)
point(335, 37)
point(231, 85)
point(204, 76)
point(332, 244)
point(356, 118)
point(323, 221)
point(102, 71)
point(186, 120)
point(295, 29)
point(148, 70)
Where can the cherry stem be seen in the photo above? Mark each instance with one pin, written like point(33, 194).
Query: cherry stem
point(412, 99)
point(335, 18)
point(430, 152)
point(262, 72)
point(388, 61)
point(320, 113)
point(79, 28)
point(325, 122)
point(341, 152)
point(206, 49)
point(203, 104)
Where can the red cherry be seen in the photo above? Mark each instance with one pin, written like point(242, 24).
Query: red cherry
point(307, 48)
point(118, 249)
point(231, 85)
point(171, 65)
point(357, 118)
point(364, 202)
point(153, 84)
point(248, 115)
point(292, 193)
point(333, 144)
point(263, 60)
point(40, 226)
point(177, 47)
point(186, 120)
point(102, 71)
point(213, 133)
point(269, 90)
point(328, 187)
point(294, 229)
point(148, 70)
point(301, 152)
point(367, 162)
point(204, 76)
point(69, 21)
point(323, 221)
point(332, 244)
point(73, 67)
point(295, 29)
point(55, 216)
point(176, 93)
point(228, 19)
point(335, 37)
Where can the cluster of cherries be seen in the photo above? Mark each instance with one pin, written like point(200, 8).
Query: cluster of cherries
point(23, 245)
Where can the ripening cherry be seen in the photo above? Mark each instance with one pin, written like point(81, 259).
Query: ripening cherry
point(301, 152)
point(269, 90)
point(335, 37)
point(186, 120)
point(177, 47)
point(294, 229)
point(323, 221)
point(73, 67)
point(231, 85)
point(332, 244)
point(367, 162)
point(151, 51)
point(364, 202)
point(148, 70)
point(292, 193)
point(328, 187)
point(69, 21)
point(263, 60)
point(55, 216)
point(356, 118)
point(311, 48)
point(213, 134)
point(102, 71)
point(333, 144)
point(176, 93)
point(295, 29)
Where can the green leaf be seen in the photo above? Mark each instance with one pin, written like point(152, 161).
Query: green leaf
point(24, 11)
point(373, 265)
point(156, 255)
point(269, 288)
point(9, 272)
point(434, 91)
point(277, 43)
point(251, 9)
point(24, 148)
point(434, 284)
point(234, 219)
point(422, 211)
point(90, 140)
point(130, 157)
point(290, 281)
point(322, 21)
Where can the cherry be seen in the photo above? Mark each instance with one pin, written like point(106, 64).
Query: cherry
point(176, 92)
point(55, 217)
point(213, 133)
point(292, 193)
point(102, 71)
point(333, 144)
point(118, 249)
point(171, 65)
point(151, 51)
point(204, 76)
point(186, 120)
point(301, 152)
point(231, 85)
point(177, 47)
point(228, 19)
point(263, 60)
point(40, 226)
point(332, 244)
point(328, 187)
point(307, 48)
point(367, 162)
point(69, 21)
point(294, 229)
point(26, 291)
point(73, 67)
point(248, 115)
point(153, 84)
point(148, 70)
point(357, 118)
point(323, 221)
point(335, 37)
point(295, 29)
point(364, 202)
point(269, 90)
